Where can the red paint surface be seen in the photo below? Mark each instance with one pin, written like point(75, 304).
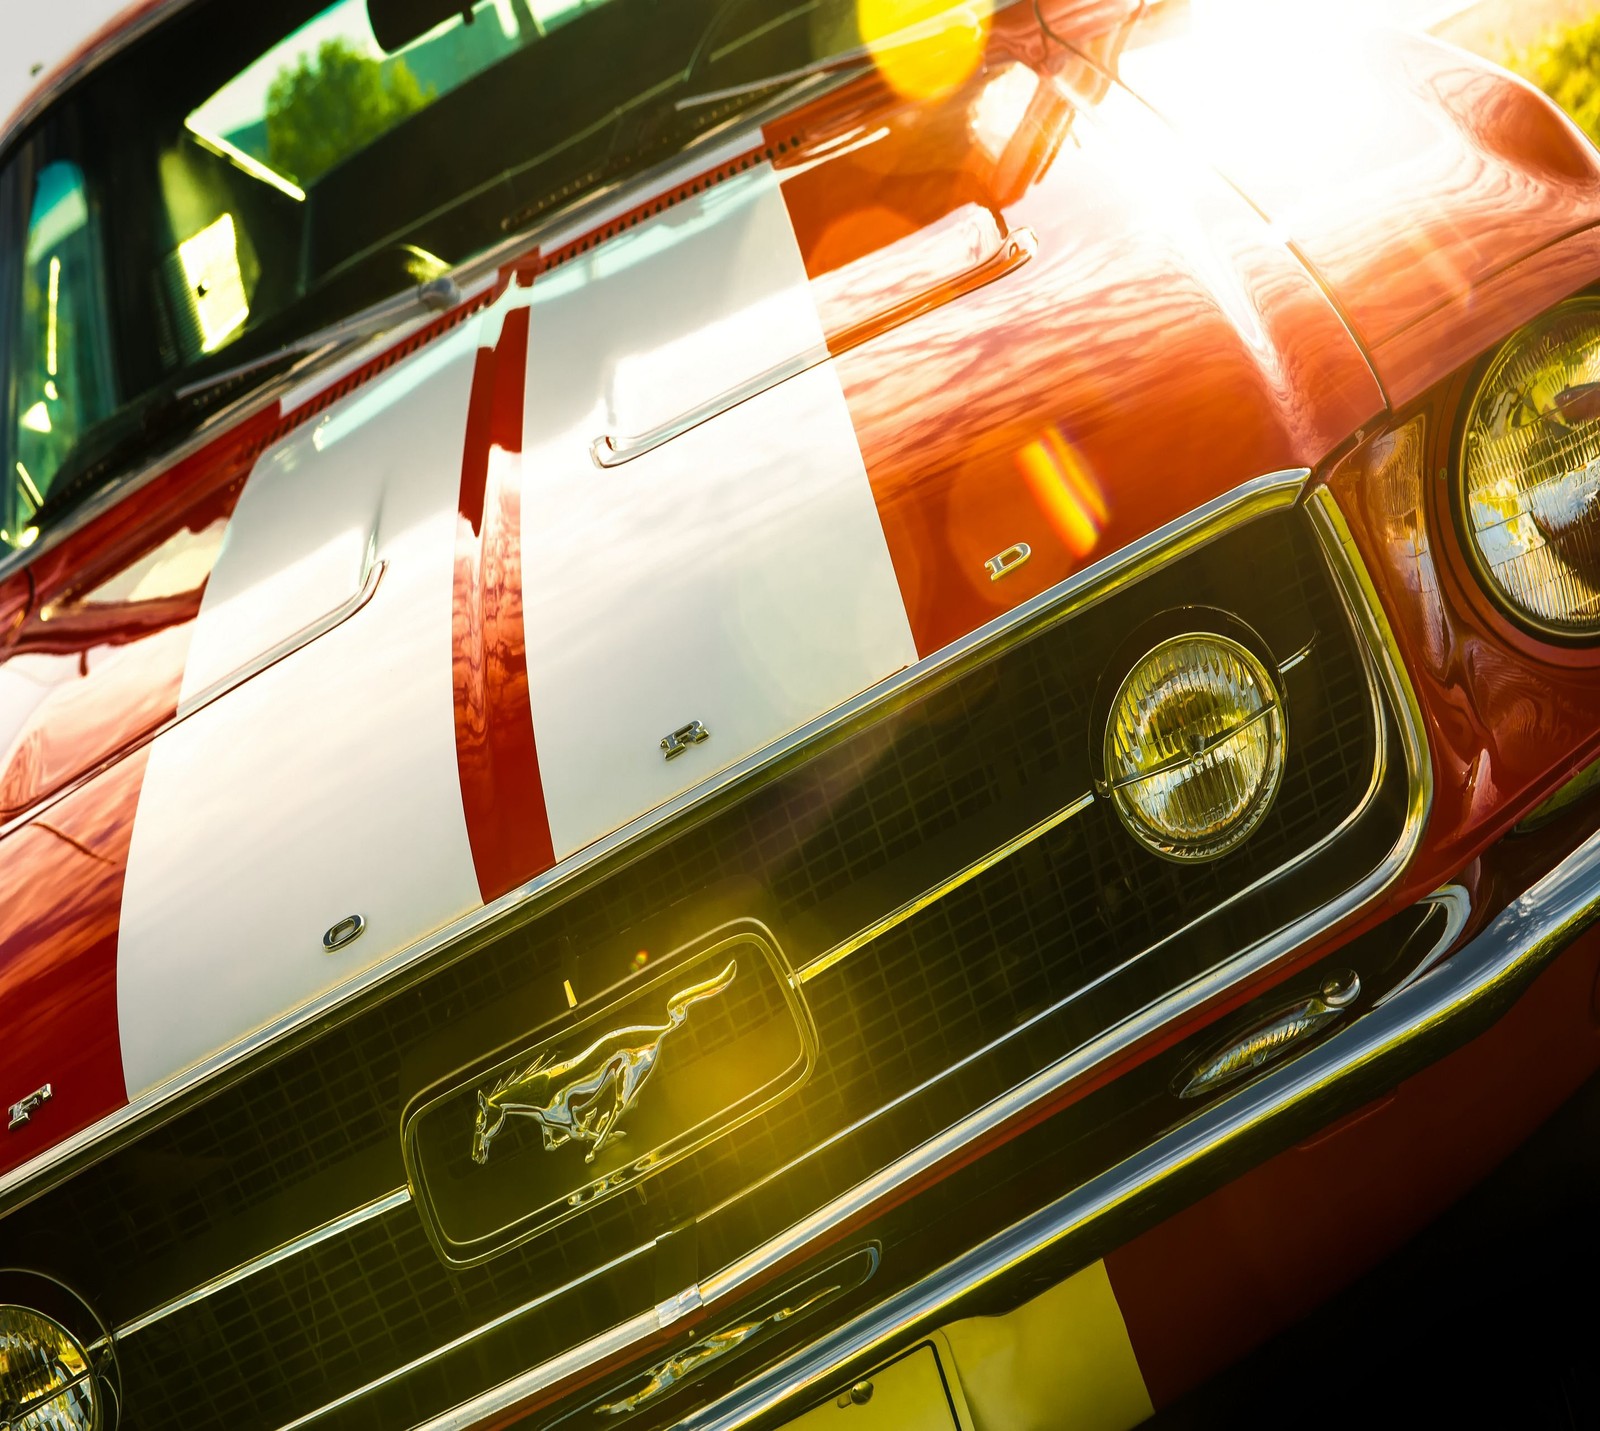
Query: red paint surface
point(61, 893)
point(501, 789)
point(1205, 1286)
point(1508, 719)
point(1409, 175)
point(1162, 340)
point(100, 655)
point(1431, 349)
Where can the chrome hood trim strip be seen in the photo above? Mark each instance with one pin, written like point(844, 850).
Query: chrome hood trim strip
point(867, 1198)
point(1274, 492)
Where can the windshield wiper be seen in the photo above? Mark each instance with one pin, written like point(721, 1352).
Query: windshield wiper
point(856, 58)
point(842, 66)
point(175, 410)
point(162, 414)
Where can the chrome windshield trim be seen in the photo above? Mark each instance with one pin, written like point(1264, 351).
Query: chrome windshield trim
point(365, 1213)
point(1277, 491)
point(75, 67)
point(869, 1197)
point(1438, 1013)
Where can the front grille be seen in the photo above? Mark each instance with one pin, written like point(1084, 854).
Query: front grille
point(1076, 930)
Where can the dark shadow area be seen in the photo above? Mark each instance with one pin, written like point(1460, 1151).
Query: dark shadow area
point(1488, 1318)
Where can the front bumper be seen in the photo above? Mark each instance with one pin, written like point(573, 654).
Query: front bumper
point(1456, 1001)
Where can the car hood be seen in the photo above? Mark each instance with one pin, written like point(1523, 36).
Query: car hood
point(713, 460)
point(1412, 177)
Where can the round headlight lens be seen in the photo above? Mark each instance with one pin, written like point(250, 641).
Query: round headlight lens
point(1195, 746)
point(1530, 473)
point(46, 1382)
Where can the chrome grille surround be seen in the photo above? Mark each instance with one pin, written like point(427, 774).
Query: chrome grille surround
point(1387, 682)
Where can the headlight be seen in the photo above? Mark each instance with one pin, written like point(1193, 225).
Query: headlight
point(1194, 746)
point(1529, 493)
point(46, 1383)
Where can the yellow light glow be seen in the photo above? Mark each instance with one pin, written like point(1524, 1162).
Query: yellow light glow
point(36, 418)
point(50, 330)
point(211, 269)
point(924, 48)
point(29, 488)
point(1065, 490)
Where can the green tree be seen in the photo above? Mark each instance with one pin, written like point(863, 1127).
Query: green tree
point(326, 108)
point(1566, 66)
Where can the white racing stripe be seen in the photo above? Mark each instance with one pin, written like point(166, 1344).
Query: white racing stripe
point(737, 575)
point(326, 785)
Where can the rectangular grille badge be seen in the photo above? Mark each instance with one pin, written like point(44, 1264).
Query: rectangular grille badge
point(544, 1128)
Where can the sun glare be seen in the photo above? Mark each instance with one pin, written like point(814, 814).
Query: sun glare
point(1281, 85)
point(924, 48)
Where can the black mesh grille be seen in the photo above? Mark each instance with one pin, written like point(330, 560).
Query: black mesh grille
point(878, 817)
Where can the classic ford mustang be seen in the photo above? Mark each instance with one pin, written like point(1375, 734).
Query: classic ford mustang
point(852, 713)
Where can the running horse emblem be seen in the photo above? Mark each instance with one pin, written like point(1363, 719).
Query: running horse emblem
point(582, 1099)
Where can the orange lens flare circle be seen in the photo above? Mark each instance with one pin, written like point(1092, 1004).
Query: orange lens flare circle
point(924, 49)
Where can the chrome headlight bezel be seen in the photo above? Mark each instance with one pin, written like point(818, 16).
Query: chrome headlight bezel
point(83, 1378)
point(1582, 631)
point(1240, 646)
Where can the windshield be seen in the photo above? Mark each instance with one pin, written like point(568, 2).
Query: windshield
point(245, 175)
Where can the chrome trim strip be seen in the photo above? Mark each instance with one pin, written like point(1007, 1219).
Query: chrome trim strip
point(609, 451)
point(867, 1198)
point(1274, 492)
point(365, 1213)
point(645, 1324)
point(308, 633)
point(1435, 1015)
point(1456, 902)
point(846, 947)
point(1015, 249)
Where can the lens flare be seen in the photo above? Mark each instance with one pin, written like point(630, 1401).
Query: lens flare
point(1065, 490)
point(924, 49)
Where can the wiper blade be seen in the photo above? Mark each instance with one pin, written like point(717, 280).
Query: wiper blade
point(835, 66)
point(162, 414)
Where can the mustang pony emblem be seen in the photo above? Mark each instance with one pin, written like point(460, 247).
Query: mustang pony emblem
point(581, 1099)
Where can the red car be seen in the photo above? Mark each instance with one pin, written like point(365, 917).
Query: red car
point(730, 714)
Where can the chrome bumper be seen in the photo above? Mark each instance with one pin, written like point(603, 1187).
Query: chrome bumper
point(1453, 1003)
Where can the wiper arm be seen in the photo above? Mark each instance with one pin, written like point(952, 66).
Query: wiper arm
point(161, 414)
point(168, 411)
point(858, 57)
point(437, 295)
point(839, 65)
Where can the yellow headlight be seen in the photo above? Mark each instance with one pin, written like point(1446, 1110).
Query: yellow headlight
point(1530, 473)
point(1194, 747)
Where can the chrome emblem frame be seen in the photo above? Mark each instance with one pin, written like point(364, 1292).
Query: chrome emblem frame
point(725, 1009)
point(582, 1099)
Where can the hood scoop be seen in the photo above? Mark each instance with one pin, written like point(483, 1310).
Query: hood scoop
point(869, 296)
